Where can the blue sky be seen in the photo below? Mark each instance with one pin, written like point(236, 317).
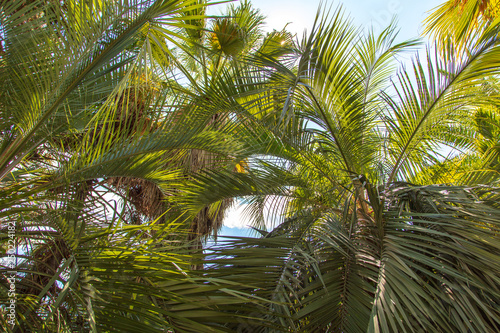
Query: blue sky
point(300, 14)
point(377, 13)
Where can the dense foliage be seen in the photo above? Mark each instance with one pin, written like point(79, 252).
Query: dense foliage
point(128, 127)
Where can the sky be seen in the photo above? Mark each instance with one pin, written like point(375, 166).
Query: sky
point(300, 14)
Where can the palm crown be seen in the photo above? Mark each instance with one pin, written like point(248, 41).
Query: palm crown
point(359, 248)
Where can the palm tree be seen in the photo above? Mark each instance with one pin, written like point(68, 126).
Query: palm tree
point(214, 49)
point(76, 112)
point(328, 147)
point(359, 247)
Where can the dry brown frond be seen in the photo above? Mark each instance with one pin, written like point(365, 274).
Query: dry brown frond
point(145, 196)
point(47, 259)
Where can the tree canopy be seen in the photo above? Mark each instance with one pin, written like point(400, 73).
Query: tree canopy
point(129, 127)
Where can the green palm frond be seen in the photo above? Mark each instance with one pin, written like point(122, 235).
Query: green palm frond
point(443, 90)
point(127, 100)
point(460, 20)
point(433, 267)
point(83, 67)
